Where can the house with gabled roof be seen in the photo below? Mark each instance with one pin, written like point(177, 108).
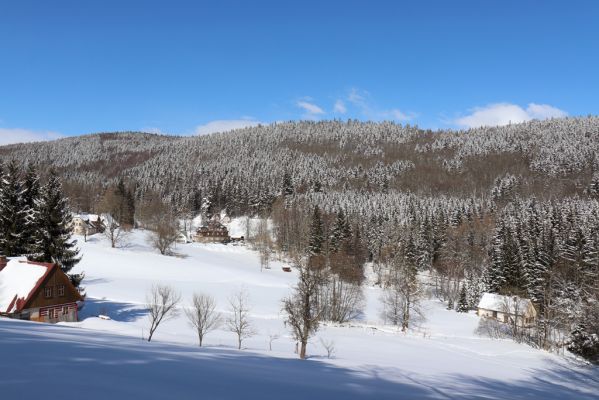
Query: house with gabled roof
point(88, 224)
point(507, 309)
point(37, 291)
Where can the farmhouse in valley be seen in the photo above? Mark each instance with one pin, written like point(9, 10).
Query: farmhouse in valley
point(87, 224)
point(37, 292)
point(507, 309)
point(214, 232)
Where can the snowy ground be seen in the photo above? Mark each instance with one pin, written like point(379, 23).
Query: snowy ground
point(443, 358)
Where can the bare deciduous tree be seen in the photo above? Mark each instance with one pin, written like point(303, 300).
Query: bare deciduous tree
point(303, 312)
point(329, 346)
point(402, 296)
point(164, 236)
point(162, 304)
point(239, 322)
point(203, 315)
point(341, 301)
point(116, 234)
point(271, 338)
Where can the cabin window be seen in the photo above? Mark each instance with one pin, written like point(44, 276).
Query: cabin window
point(48, 292)
point(65, 310)
point(61, 290)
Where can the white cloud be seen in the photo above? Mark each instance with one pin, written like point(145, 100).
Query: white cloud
point(340, 107)
point(397, 115)
point(18, 135)
point(311, 109)
point(362, 101)
point(358, 97)
point(225, 125)
point(544, 111)
point(505, 113)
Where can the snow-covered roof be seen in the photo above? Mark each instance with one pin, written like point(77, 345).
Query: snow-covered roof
point(18, 280)
point(87, 217)
point(498, 302)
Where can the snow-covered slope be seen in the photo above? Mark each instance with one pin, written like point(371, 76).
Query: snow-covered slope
point(443, 358)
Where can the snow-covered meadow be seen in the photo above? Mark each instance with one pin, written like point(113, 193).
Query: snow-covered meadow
point(101, 358)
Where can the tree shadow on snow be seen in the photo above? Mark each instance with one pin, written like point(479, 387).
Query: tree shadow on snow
point(122, 312)
point(100, 366)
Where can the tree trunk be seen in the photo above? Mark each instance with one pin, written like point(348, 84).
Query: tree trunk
point(302, 354)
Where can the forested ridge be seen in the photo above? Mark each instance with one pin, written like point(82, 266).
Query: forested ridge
point(512, 209)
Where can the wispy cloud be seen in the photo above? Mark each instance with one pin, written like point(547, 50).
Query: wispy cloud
point(340, 107)
point(225, 125)
point(19, 135)
point(362, 101)
point(499, 114)
point(311, 110)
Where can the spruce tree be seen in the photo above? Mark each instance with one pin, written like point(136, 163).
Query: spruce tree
point(341, 231)
point(31, 193)
point(316, 239)
point(54, 227)
point(463, 300)
point(12, 214)
point(287, 185)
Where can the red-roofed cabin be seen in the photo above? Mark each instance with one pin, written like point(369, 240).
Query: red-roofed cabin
point(37, 292)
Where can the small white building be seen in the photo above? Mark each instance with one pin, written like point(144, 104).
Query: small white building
point(87, 224)
point(182, 238)
point(507, 309)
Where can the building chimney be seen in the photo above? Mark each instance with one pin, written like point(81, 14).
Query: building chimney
point(3, 262)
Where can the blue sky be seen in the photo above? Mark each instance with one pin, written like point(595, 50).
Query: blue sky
point(193, 67)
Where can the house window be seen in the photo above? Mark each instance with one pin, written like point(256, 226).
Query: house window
point(61, 290)
point(48, 292)
point(65, 310)
point(494, 314)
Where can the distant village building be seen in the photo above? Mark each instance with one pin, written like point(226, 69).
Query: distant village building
point(88, 224)
point(182, 238)
point(507, 309)
point(37, 292)
point(214, 232)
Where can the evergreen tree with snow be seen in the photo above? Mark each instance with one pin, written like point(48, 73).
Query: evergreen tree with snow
point(341, 231)
point(31, 193)
point(584, 343)
point(316, 239)
point(53, 232)
point(287, 185)
point(463, 300)
point(12, 214)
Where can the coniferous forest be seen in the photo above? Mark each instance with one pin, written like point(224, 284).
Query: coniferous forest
point(511, 210)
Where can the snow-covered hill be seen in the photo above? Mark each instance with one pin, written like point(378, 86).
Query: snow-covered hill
point(98, 358)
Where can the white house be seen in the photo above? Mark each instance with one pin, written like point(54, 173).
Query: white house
point(507, 309)
point(87, 224)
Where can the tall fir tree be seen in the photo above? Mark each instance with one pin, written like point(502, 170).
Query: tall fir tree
point(463, 300)
point(53, 232)
point(31, 193)
point(316, 239)
point(12, 214)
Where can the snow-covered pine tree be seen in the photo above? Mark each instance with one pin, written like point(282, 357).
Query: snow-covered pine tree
point(316, 239)
point(463, 300)
point(12, 214)
point(31, 193)
point(287, 185)
point(341, 231)
point(584, 343)
point(53, 231)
